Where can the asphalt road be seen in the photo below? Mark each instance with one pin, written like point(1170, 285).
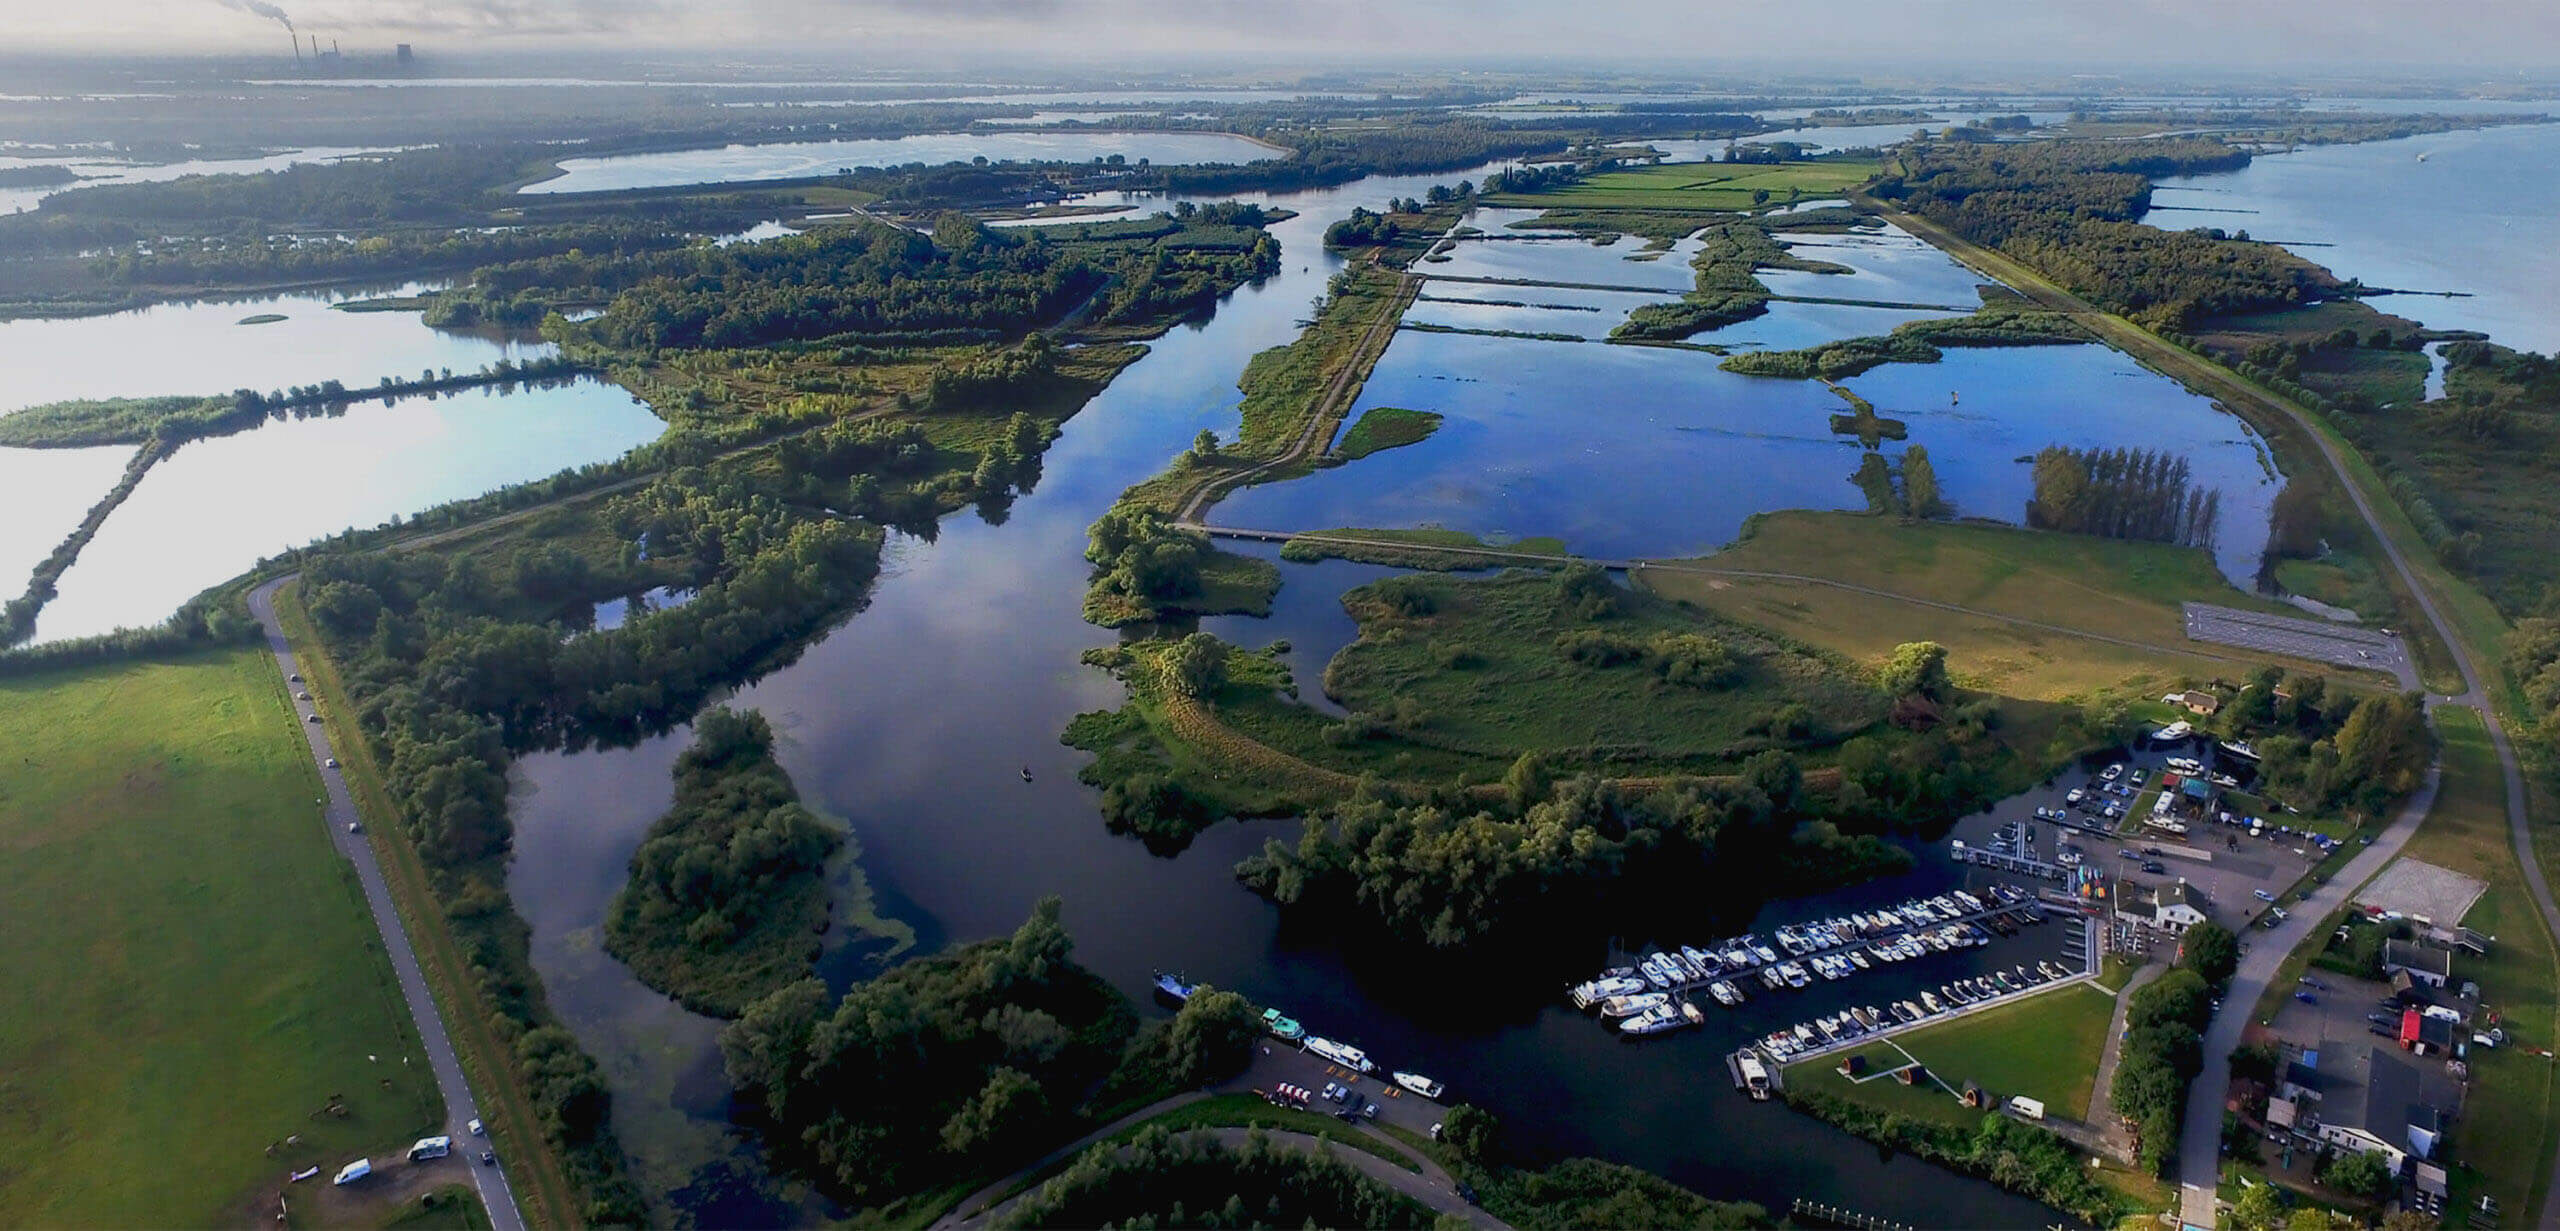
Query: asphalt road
point(459, 1107)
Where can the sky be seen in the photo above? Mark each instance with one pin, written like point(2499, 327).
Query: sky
point(2484, 35)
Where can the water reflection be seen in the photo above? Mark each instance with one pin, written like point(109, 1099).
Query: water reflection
point(215, 507)
point(200, 347)
point(43, 495)
point(913, 720)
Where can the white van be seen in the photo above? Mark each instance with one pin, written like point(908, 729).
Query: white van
point(430, 1147)
point(354, 1171)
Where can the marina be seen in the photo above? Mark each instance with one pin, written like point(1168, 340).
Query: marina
point(1654, 996)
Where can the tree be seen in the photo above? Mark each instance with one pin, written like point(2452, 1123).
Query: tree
point(1197, 664)
point(2210, 950)
point(1917, 669)
point(2258, 1209)
point(1009, 1109)
point(1920, 495)
point(1211, 1038)
point(2294, 525)
point(2366, 1175)
point(1470, 1132)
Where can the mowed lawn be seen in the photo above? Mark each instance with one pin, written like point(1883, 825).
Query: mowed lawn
point(1699, 186)
point(2045, 1047)
point(2511, 1123)
point(2108, 586)
point(191, 974)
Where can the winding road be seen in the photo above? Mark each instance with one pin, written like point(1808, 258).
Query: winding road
point(340, 813)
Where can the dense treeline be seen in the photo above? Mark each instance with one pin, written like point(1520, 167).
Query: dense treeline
point(1587, 1192)
point(2072, 210)
point(1443, 875)
point(2533, 660)
point(2325, 752)
point(1416, 145)
point(939, 1069)
point(2163, 1050)
point(727, 895)
point(1144, 566)
point(208, 260)
point(1914, 342)
point(2144, 494)
point(2011, 1153)
point(170, 421)
point(869, 278)
point(1164, 1179)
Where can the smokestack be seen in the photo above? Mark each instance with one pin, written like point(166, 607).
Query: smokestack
point(297, 48)
point(333, 48)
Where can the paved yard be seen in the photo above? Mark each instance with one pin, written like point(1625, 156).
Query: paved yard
point(2316, 640)
point(2422, 890)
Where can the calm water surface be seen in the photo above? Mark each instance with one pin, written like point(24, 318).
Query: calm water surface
point(215, 507)
point(43, 494)
point(797, 158)
point(202, 348)
point(913, 721)
point(2475, 216)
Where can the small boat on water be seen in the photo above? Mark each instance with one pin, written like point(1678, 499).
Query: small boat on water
point(1420, 1084)
point(1026, 773)
point(1171, 987)
point(1282, 1028)
point(1343, 1054)
point(1725, 992)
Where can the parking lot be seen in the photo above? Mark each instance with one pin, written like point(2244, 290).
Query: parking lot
point(2340, 1011)
point(2224, 863)
point(2346, 645)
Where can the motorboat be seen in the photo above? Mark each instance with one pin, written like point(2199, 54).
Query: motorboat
point(1630, 1006)
point(1343, 1054)
point(1171, 987)
point(1281, 1027)
point(1420, 1084)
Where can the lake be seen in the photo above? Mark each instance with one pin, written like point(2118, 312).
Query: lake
point(200, 347)
point(43, 495)
point(1630, 451)
point(2452, 221)
point(913, 721)
point(793, 159)
point(209, 511)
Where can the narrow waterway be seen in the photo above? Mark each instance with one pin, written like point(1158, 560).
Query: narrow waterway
point(914, 721)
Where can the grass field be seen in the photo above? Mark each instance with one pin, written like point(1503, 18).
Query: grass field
point(2506, 1136)
point(1385, 427)
point(2122, 589)
point(1482, 666)
point(1699, 186)
point(2045, 1047)
point(191, 972)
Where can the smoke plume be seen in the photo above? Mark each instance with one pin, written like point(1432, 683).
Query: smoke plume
point(259, 7)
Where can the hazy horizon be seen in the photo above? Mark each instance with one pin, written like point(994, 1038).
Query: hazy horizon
point(2481, 38)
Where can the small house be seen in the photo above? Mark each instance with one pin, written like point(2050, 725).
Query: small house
point(2197, 702)
point(2175, 908)
point(2423, 963)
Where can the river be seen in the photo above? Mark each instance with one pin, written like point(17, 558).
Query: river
point(913, 721)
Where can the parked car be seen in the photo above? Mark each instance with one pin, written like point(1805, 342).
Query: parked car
point(355, 827)
point(2154, 867)
point(2263, 895)
point(311, 718)
point(332, 762)
point(2306, 998)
